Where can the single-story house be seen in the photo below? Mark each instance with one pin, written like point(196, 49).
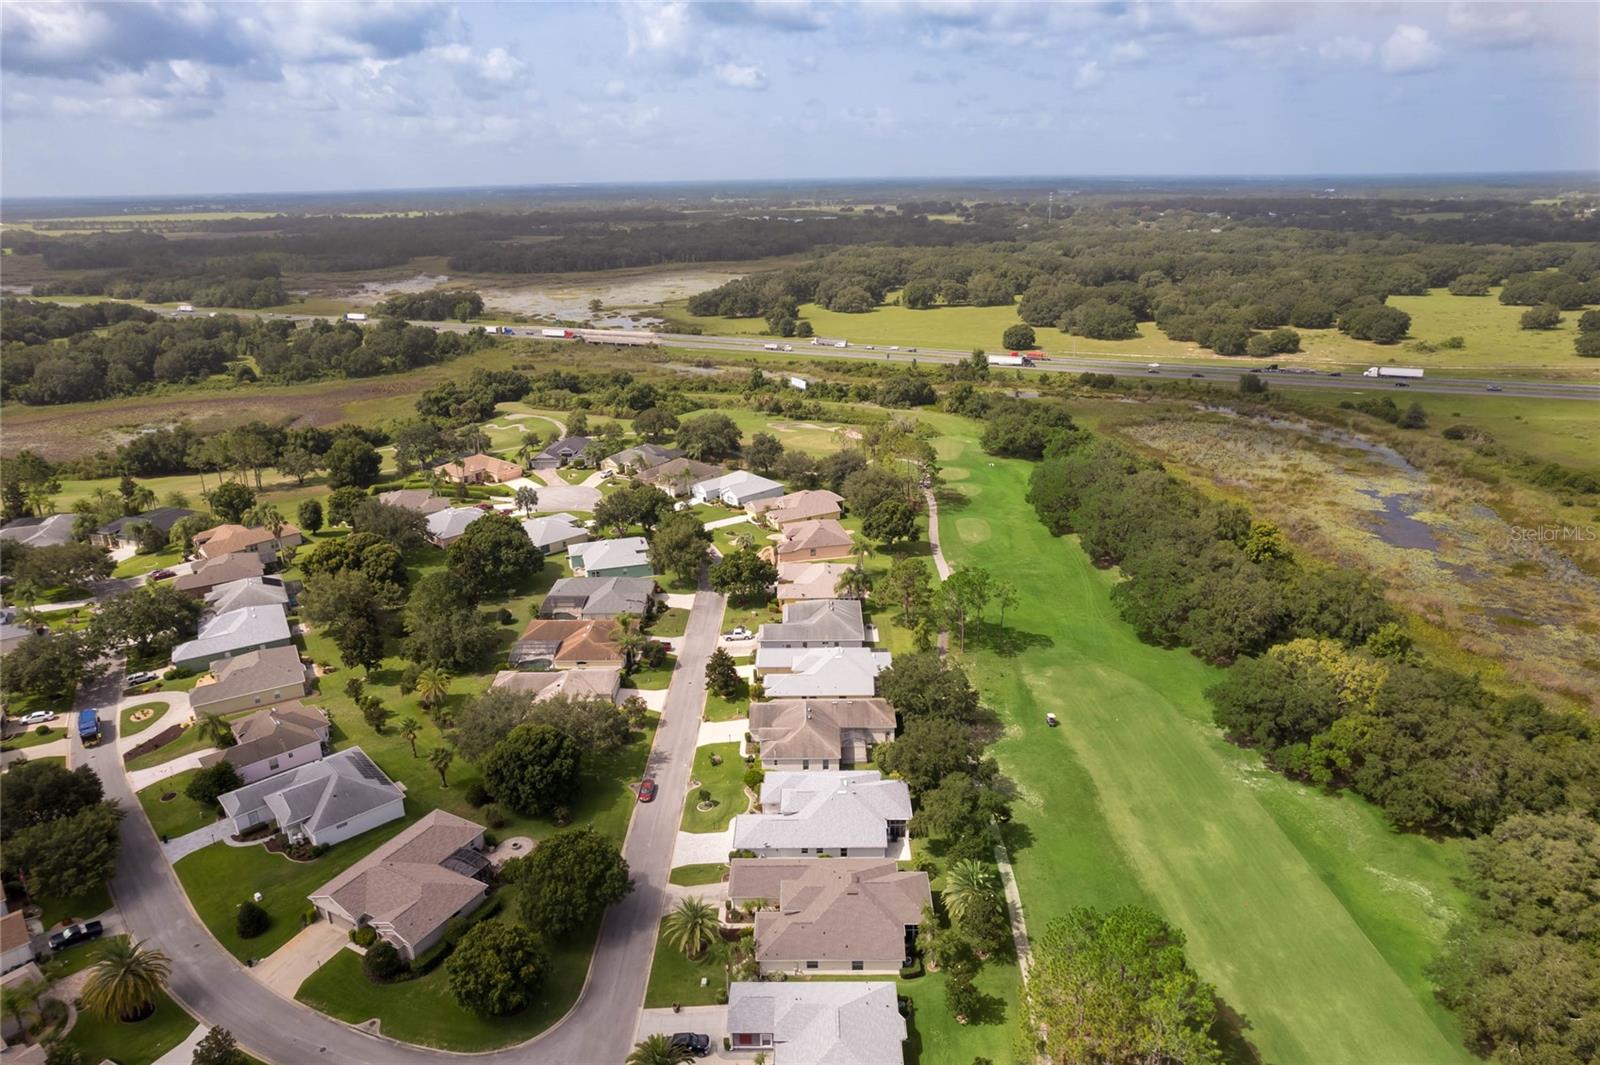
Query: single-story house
point(411, 888)
point(210, 574)
point(247, 591)
point(641, 458)
point(737, 489)
point(122, 531)
point(52, 530)
point(480, 469)
point(560, 453)
point(845, 915)
point(812, 504)
point(16, 941)
point(13, 634)
point(677, 476)
point(253, 628)
point(446, 526)
point(819, 733)
point(625, 557)
point(813, 541)
point(549, 643)
point(840, 1022)
point(419, 500)
point(255, 678)
point(554, 532)
point(837, 672)
point(274, 740)
point(598, 597)
point(837, 813)
point(801, 581)
point(808, 624)
point(223, 540)
point(580, 683)
point(326, 802)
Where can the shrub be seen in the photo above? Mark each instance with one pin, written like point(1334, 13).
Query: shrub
point(383, 964)
point(408, 678)
point(753, 777)
point(476, 795)
point(251, 920)
point(1544, 316)
point(494, 815)
point(365, 936)
point(42, 730)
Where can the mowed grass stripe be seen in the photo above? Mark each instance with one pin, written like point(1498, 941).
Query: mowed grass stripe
point(1173, 804)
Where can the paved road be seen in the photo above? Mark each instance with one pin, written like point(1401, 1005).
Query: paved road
point(212, 985)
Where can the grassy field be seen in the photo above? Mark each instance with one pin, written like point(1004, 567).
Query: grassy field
point(178, 815)
point(726, 784)
point(423, 1011)
point(1311, 917)
point(30, 736)
point(1494, 340)
point(139, 1043)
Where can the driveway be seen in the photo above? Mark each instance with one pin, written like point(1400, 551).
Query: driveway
point(723, 731)
point(723, 523)
point(140, 779)
point(560, 495)
point(706, 1020)
point(190, 842)
point(286, 968)
point(654, 698)
point(701, 848)
point(54, 749)
point(177, 712)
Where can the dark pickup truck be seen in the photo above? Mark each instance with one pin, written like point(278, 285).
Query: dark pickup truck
point(74, 934)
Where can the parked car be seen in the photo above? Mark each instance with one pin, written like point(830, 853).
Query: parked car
point(38, 717)
point(911, 349)
point(161, 574)
point(486, 506)
point(647, 789)
point(141, 678)
point(739, 633)
point(1335, 373)
point(697, 1044)
point(74, 934)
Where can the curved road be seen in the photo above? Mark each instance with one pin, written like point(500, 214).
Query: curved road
point(598, 1031)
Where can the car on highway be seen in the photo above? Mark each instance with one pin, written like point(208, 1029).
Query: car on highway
point(739, 633)
point(695, 1043)
point(1493, 388)
point(141, 678)
point(872, 347)
point(161, 574)
point(74, 934)
point(911, 349)
point(1401, 384)
point(38, 717)
point(1335, 373)
point(1197, 375)
point(647, 789)
point(1152, 370)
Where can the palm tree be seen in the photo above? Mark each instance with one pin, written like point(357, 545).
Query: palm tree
point(126, 981)
point(527, 499)
point(440, 758)
point(658, 1050)
point(630, 642)
point(692, 925)
point(433, 684)
point(21, 1001)
point(410, 728)
point(214, 729)
point(971, 887)
point(853, 583)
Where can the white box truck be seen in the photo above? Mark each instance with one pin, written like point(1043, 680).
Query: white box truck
point(1391, 371)
point(556, 334)
point(185, 308)
point(1014, 359)
point(355, 316)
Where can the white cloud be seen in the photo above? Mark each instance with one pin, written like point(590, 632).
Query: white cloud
point(741, 76)
point(1494, 25)
point(1344, 49)
point(1127, 52)
point(1088, 76)
point(1409, 50)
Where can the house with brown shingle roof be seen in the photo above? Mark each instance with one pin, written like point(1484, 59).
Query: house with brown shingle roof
point(236, 539)
point(844, 915)
point(579, 683)
point(819, 733)
point(412, 887)
point(418, 500)
point(678, 476)
point(807, 505)
point(252, 679)
point(811, 541)
point(273, 740)
point(480, 469)
point(206, 576)
point(555, 643)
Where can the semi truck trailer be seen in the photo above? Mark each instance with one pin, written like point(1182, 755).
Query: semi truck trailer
point(1391, 371)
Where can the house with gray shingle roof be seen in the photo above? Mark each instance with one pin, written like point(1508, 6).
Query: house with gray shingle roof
point(123, 532)
point(207, 575)
point(841, 814)
point(251, 628)
point(247, 591)
point(325, 802)
point(252, 679)
point(273, 740)
point(641, 458)
point(842, 1022)
point(826, 672)
point(554, 532)
point(446, 526)
point(563, 451)
point(819, 733)
point(807, 625)
point(625, 557)
point(845, 915)
point(598, 597)
point(411, 888)
point(52, 530)
point(737, 489)
point(420, 500)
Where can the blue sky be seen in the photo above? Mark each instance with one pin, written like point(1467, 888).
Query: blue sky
point(145, 99)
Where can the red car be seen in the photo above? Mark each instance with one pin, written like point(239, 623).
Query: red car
point(486, 506)
point(647, 789)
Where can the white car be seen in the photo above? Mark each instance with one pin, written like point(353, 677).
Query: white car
point(141, 678)
point(739, 633)
point(38, 717)
point(788, 347)
point(604, 474)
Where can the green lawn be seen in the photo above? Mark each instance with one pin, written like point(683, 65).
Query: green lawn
point(91, 903)
point(132, 1044)
point(1313, 920)
point(187, 742)
point(671, 622)
point(690, 875)
point(32, 737)
point(726, 783)
point(720, 709)
point(675, 978)
point(139, 564)
point(77, 959)
point(422, 1011)
point(178, 815)
point(129, 727)
point(652, 679)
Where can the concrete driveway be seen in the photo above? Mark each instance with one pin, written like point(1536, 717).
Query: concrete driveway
point(702, 848)
point(286, 968)
point(560, 495)
point(140, 779)
point(703, 1020)
point(190, 842)
point(723, 731)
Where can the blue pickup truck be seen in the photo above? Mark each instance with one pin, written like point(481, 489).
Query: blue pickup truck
point(89, 727)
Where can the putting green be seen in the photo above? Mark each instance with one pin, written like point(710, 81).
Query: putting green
point(1312, 919)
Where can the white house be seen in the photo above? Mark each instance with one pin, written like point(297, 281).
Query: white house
point(274, 740)
point(446, 526)
point(737, 489)
point(848, 1022)
point(825, 673)
point(325, 802)
point(554, 532)
point(840, 814)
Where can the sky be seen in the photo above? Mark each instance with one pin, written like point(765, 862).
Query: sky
point(148, 99)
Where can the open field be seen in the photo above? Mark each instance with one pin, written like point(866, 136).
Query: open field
point(1311, 917)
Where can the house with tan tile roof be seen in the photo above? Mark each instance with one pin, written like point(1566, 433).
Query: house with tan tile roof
point(845, 915)
point(553, 643)
point(235, 539)
point(819, 733)
point(678, 476)
point(411, 888)
point(811, 541)
point(811, 504)
point(581, 683)
point(809, 581)
point(480, 469)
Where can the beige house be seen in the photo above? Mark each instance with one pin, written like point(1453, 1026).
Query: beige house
point(811, 541)
point(418, 500)
point(273, 740)
point(412, 887)
point(819, 733)
point(846, 915)
point(800, 582)
point(807, 505)
point(253, 679)
point(206, 576)
point(16, 941)
point(551, 643)
point(678, 476)
point(480, 469)
point(817, 1022)
point(241, 539)
point(580, 683)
